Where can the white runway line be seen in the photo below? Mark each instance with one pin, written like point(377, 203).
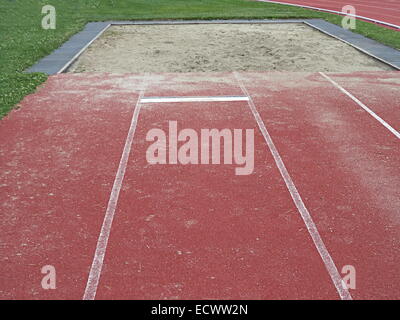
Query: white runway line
point(193, 99)
point(311, 227)
point(97, 264)
point(362, 105)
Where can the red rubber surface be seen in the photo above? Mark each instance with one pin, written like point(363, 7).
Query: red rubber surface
point(380, 92)
point(193, 232)
point(346, 166)
point(59, 155)
point(200, 231)
point(382, 10)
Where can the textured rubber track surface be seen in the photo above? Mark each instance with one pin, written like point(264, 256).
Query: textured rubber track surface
point(200, 231)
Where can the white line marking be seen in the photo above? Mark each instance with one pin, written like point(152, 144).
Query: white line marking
point(362, 105)
point(311, 227)
point(97, 264)
point(334, 11)
point(193, 99)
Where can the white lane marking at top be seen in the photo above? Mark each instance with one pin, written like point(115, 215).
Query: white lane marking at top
point(311, 227)
point(362, 105)
point(97, 264)
point(193, 99)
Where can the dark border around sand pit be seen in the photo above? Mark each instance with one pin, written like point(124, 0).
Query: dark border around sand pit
point(61, 59)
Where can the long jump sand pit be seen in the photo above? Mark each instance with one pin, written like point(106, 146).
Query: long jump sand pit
point(221, 47)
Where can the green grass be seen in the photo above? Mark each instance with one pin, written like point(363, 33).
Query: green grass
point(23, 41)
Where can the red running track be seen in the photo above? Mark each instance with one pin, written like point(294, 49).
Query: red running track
point(387, 11)
point(200, 231)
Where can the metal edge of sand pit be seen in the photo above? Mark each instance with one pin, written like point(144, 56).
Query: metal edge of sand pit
point(62, 58)
point(381, 52)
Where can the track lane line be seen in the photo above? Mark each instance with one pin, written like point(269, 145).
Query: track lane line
point(311, 227)
point(101, 247)
point(362, 105)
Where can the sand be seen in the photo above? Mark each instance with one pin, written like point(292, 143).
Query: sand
point(221, 47)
